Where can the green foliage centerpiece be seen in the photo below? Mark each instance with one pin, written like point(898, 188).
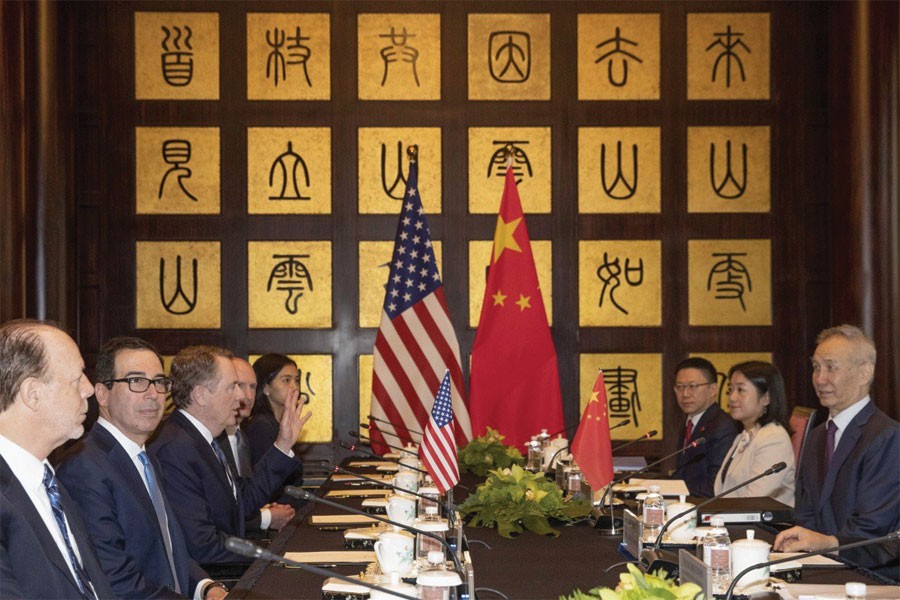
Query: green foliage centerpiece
point(488, 452)
point(514, 499)
point(635, 585)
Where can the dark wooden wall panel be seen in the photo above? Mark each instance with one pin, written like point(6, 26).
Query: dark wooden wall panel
point(799, 223)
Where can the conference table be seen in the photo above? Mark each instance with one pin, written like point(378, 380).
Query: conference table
point(524, 568)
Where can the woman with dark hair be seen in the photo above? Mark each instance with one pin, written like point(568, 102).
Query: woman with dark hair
point(277, 377)
point(757, 400)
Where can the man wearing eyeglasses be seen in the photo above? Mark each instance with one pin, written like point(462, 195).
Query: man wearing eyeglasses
point(117, 484)
point(696, 391)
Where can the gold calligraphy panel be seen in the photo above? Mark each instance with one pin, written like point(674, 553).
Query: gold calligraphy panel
point(317, 382)
point(177, 170)
point(618, 170)
point(288, 56)
point(289, 284)
point(531, 165)
point(366, 369)
point(178, 285)
point(480, 259)
point(728, 56)
point(620, 283)
point(729, 169)
point(399, 56)
point(176, 56)
point(723, 361)
point(633, 390)
point(288, 170)
point(374, 267)
point(729, 282)
point(383, 167)
point(618, 57)
point(509, 57)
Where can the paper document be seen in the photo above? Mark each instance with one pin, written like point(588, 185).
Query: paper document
point(333, 557)
point(359, 464)
point(811, 561)
point(340, 519)
point(793, 591)
point(667, 487)
point(370, 493)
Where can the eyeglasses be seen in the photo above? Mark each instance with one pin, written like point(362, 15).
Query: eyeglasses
point(142, 384)
point(689, 387)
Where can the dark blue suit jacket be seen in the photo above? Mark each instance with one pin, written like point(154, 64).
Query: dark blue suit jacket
point(858, 496)
point(31, 565)
point(699, 466)
point(122, 522)
point(198, 487)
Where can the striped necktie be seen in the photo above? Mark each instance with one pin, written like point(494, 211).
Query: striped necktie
point(81, 576)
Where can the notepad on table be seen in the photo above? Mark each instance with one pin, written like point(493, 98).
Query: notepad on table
point(333, 557)
point(340, 519)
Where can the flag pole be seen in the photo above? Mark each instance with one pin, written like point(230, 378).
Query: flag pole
point(510, 151)
point(412, 152)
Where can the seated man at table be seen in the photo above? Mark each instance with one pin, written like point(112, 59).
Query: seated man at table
point(697, 391)
point(848, 483)
point(116, 484)
point(210, 501)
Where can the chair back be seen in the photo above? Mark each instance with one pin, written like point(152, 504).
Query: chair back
point(802, 421)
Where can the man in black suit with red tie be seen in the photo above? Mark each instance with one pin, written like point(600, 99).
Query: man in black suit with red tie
point(848, 482)
point(45, 551)
point(697, 390)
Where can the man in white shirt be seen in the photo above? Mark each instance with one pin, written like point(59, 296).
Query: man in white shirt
point(211, 503)
point(237, 451)
point(116, 483)
point(45, 551)
point(848, 483)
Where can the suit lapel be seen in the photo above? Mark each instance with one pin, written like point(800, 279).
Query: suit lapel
point(18, 497)
point(205, 450)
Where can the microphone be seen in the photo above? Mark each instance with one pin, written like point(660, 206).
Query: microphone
point(302, 494)
point(397, 448)
point(658, 560)
point(894, 535)
point(694, 444)
point(404, 427)
point(646, 436)
point(251, 550)
point(354, 448)
point(776, 468)
point(338, 469)
point(366, 426)
point(557, 453)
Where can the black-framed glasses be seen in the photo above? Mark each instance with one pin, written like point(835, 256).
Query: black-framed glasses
point(142, 384)
point(689, 387)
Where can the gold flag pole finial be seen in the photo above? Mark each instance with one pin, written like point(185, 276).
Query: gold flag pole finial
point(510, 151)
point(412, 152)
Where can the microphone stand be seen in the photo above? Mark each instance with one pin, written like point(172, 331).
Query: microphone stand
point(646, 436)
point(413, 431)
point(302, 494)
point(355, 448)
point(885, 538)
point(251, 550)
point(397, 448)
point(612, 526)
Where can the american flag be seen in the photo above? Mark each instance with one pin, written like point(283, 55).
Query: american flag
point(438, 451)
point(416, 342)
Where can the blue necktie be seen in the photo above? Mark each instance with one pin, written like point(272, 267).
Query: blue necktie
point(245, 468)
point(159, 506)
point(224, 461)
point(81, 577)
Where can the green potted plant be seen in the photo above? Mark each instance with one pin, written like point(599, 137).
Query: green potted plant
point(635, 585)
point(488, 452)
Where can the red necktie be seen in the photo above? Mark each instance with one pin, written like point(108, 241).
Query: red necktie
point(688, 430)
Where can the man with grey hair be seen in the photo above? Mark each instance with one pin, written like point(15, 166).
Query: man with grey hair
point(211, 502)
point(848, 483)
point(45, 550)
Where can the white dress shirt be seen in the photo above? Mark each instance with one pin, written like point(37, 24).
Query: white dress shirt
point(843, 418)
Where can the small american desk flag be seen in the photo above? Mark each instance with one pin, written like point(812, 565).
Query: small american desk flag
point(438, 451)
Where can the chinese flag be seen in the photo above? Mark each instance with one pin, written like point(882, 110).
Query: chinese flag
point(514, 385)
point(592, 448)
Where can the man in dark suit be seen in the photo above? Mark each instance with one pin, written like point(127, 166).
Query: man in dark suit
point(134, 530)
point(848, 483)
point(696, 391)
point(45, 551)
point(233, 442)
point(210, 501)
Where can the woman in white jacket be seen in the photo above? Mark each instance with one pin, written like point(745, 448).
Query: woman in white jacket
point(757, 400)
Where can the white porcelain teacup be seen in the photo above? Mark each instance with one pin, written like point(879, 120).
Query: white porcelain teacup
point(746, 553)
point(394, 551)
point(401, 508)
point(407, 480)
point(408, 463)
point(681, 531)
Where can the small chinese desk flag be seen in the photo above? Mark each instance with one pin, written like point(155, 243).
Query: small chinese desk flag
point(592, 448)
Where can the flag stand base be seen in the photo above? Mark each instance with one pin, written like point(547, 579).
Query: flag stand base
point(606, 522)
